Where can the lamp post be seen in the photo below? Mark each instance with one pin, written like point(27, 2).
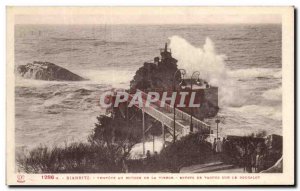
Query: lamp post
point(196, 73)
point(218, 120)
point(182, 84)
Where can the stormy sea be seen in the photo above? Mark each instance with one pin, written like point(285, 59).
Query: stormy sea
point(244, 61)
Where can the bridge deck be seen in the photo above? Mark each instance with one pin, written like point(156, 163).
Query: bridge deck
point(166, 116)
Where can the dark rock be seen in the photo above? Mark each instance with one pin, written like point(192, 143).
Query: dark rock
point(47, 71)
point(159, 74)
point(83, 91)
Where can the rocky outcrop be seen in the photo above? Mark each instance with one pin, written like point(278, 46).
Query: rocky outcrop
point(47, 71)
point(159, 76)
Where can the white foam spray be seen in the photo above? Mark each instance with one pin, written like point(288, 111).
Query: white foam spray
point(211, 66)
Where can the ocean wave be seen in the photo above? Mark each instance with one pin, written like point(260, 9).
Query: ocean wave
point(237, 38)
point(255, 73)
point(257, 110)
point(60, 98)
point(75, 39)
point(114, 77)
point(53, 102)
point(273, 94)
point(60, 50)
point(96, 41)
point(112, 43)
point(25, 82)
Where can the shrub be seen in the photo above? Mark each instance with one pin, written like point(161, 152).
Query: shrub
point(75, 158)
point(190, 150)
point(107, 150)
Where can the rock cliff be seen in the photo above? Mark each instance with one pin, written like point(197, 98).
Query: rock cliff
point(47, 71)
point(159, 76)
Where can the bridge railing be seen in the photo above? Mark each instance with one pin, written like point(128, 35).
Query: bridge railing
point(157, 114)
point(197, 124)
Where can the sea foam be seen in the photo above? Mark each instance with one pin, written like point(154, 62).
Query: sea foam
point(273, 94)
point(212, 67)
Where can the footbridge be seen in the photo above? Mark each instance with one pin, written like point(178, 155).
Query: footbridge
point(165, 115)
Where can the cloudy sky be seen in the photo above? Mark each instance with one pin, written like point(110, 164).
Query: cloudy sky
point(149, 15)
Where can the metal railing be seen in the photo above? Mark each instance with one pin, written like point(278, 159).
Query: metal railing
point(198, 124)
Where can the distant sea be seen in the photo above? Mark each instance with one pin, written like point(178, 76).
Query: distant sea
point(57, 113)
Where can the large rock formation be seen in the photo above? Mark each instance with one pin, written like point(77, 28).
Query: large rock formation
point(47, 71)
point(159, 76)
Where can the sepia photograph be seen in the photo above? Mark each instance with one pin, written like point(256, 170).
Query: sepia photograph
point(159, 95)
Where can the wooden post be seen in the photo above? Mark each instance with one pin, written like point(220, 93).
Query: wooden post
point(127, 115)
point(153, 144)
point(217, 130)
point(174, 125)
point(143, 113)
point(163, 133)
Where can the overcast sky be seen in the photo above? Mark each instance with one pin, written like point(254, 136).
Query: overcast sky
point(150, 15)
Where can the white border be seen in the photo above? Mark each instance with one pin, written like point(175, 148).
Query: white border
point(4, 3)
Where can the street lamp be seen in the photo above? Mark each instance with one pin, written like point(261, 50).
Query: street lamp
point(218, 120)
point(196, 73)
point(183, 86)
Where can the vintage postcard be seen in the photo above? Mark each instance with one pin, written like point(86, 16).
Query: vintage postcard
point(150, 96)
